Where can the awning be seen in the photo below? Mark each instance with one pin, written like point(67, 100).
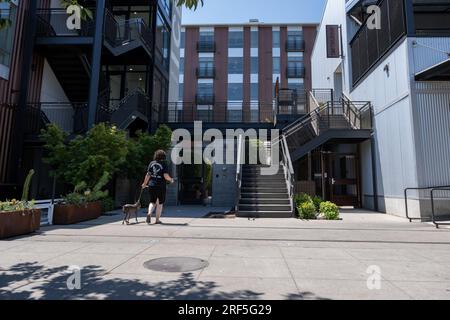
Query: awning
point(438, 72)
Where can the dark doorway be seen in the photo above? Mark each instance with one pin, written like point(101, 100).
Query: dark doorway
point(342, 181)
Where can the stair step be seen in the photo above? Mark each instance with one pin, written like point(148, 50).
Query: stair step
point(264, 207)
point(256, 195)
point(264, 214)
point(264, 189)
point(247, 201)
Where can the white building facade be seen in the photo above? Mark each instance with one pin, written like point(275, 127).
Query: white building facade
point(402, 68)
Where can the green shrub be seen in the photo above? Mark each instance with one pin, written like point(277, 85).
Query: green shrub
point(307, 211)
point(329, 210)
point(82, 195)
point(317, 202)
point(301, 198)
point(108, 204)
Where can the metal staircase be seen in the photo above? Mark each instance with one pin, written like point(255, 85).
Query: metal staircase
point(121, 37)
point(333, 120)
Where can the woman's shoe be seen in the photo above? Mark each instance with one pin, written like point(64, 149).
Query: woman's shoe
point(158, 222)
point(149, 219)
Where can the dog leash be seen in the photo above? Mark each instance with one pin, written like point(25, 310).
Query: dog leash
point(140, 195)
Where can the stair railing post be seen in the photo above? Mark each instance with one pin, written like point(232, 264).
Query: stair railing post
point(96, 62)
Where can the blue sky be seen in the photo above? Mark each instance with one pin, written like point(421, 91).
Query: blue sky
point(240, 11)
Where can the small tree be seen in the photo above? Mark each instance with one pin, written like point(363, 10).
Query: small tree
point(86, 158)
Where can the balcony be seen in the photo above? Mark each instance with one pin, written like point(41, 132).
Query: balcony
point(204, 99)
point(297, 45)
point(206, 46)
point(206, 72)
point(53, 23)
point(295, 72)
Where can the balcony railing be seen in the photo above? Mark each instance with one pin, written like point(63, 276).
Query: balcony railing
point(295, 72)
point(219, 112)
point(295, 45)
point(206, 46)
point(206, 73)
point(53, 23)
point(120, 33)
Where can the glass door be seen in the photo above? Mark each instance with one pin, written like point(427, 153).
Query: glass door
point(343, 180)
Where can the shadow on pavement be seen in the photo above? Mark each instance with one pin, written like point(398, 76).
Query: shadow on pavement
point(34, 281)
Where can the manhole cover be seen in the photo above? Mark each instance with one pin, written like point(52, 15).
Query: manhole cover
point(179, 264)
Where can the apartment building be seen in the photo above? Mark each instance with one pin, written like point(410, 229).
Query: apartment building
point(116, 68)
point(402, 69)
point(229, 72)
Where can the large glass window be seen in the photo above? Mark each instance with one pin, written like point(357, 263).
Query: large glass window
point(276, 39)
point(235, 65)
point(8, 12)
point(205, 90)
point(206, 36)
point(235, 92)
point(276, 65)
point(181, 66)
point(254, 65)
point(236, 39)
point(183, 40)
point(162, 43)
point(181, 92)
point(254, 39)
point(254, 91)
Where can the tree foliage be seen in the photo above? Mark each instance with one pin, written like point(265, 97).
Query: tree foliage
point(190, 4)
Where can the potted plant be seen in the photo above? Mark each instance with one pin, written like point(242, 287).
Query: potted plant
point(18, 217)
point(82, 204)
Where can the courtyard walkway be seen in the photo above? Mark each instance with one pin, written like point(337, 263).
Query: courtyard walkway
point(262, 259)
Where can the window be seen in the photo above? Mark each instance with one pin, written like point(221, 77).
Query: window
point(206, 36)
point(235, 92)
point(276, 65)
point(276, 39)
point(205, 93)
point(294, 41)
point(235, 65)
point(254, 91)
point(9, 11)
point(254, 39)
point(295, 67)
point(162, 43)
point(254, 65)
point(206, 67)
point(181, 66)
point(432, 18)
point(183, 40)
point(235, 39)
point(205, 89)
point(181, 92)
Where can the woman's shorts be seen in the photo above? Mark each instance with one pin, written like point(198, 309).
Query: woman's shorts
point(157, 193)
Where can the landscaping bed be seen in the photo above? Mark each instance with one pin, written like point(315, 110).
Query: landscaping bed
point(65, 214)
point(17, 223)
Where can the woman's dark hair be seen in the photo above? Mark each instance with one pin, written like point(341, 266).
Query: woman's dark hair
point(160, 155)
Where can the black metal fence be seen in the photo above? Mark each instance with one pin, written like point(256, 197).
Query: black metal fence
point(369, 45)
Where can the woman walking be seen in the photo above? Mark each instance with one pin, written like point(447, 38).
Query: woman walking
point(155, 180)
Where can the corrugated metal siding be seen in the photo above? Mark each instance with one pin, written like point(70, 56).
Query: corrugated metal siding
point(432, 126)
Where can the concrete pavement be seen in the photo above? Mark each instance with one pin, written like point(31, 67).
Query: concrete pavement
point(262, 259)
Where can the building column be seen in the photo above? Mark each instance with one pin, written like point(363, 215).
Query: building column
point(96, 63)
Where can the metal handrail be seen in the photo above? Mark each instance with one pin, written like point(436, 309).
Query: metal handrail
point(288, 170)
point(239, 171)
point(433, 207)
point(411, 219)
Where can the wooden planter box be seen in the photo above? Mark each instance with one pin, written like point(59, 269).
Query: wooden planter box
point(19, 223)
point(70, 214)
